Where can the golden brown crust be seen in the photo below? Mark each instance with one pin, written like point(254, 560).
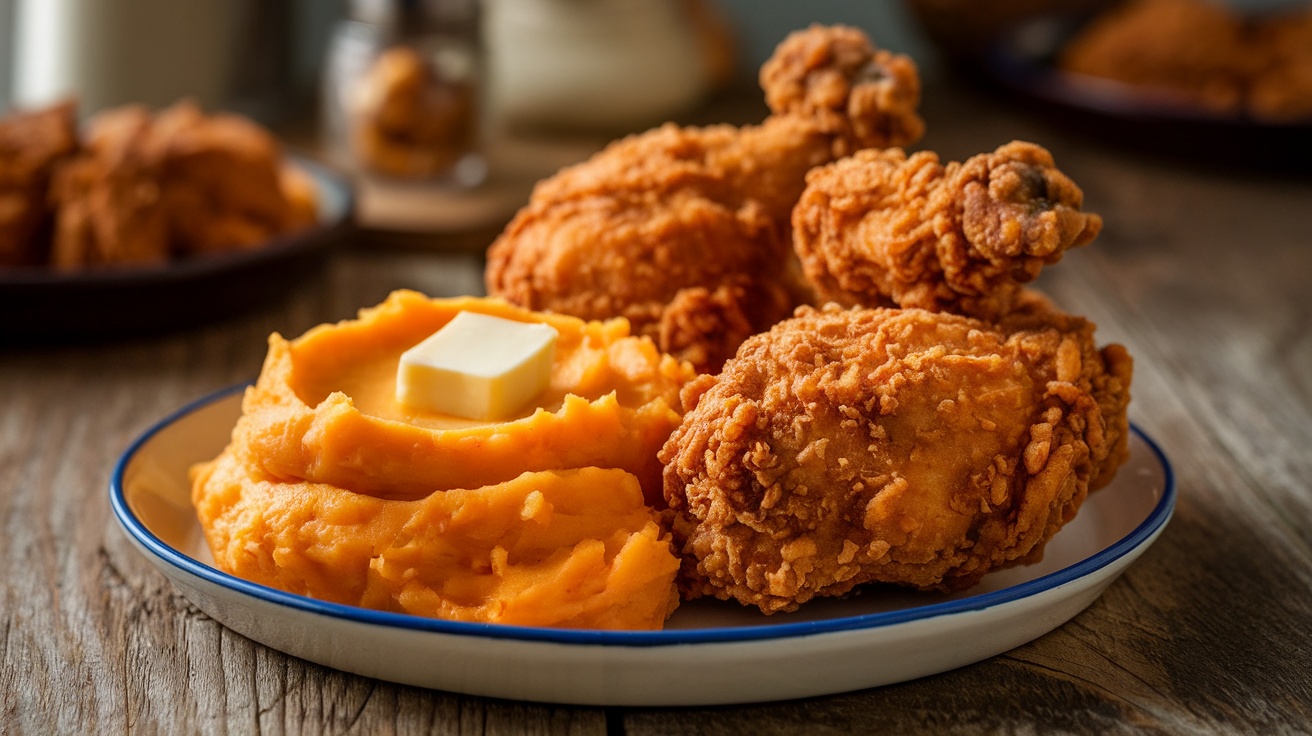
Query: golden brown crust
point(684, 231)
point(834, 78)
point(923, 449)
point(31, 144)
point(883, 228)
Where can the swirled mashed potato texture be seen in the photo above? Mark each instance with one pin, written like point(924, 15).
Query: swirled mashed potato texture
point(333, 489)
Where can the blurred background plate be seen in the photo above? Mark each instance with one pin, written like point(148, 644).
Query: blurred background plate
point(38, 304)
point(1020, 62)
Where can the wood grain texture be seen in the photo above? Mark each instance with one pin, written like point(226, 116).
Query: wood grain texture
point(1204, 274)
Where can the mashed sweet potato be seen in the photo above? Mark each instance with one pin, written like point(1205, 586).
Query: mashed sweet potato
point(573, 548)
point(324, 407)
point(331, 488)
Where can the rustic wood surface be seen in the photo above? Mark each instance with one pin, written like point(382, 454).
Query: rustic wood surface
point(1203, 272)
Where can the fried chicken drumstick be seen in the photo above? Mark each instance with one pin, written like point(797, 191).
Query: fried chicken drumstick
point(923, 449)
point(883, 228)
point(685, 231)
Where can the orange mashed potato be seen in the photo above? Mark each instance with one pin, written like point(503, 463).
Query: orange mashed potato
point(331, 488)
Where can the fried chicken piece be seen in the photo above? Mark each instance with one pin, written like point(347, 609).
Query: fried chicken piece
point(1204, 55)
point(882, 228)
point(1192, 51)
point(150, 187)
point(31, 143)
point(222, 181)
point(684, 231)
point(917, 448)
point(108, 199)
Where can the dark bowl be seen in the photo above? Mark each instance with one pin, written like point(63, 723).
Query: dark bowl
point(38, 304)
point(1021, 63)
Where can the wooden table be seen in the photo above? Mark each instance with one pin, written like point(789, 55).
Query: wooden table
point(1205, 274)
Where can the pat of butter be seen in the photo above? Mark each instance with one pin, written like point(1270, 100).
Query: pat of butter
point(478, 367)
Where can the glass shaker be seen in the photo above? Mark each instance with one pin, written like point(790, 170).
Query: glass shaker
point(402, 90)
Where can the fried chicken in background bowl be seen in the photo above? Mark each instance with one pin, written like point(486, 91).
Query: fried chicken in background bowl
point(136, 187)
point(141, 221)
point(1201, 56)
point(31, 144)
point(903, 446)
point(888, 228)
point(685, 231)
point(148, 187)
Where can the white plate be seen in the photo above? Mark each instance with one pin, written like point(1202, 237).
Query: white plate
point(712, 652)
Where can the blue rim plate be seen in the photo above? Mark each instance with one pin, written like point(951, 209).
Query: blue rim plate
point(149, 493)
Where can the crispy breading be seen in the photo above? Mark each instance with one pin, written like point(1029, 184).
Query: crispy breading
point(685, 231)
point(923, 449)
point(884, 228)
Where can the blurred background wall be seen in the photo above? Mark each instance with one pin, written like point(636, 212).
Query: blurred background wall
point(6, 36)
point(262, 55)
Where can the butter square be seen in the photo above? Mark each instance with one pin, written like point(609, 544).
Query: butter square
point(478, 367)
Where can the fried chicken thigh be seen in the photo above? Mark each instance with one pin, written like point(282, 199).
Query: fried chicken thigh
point(902, 446)
point(884, 228)
point(685, 231)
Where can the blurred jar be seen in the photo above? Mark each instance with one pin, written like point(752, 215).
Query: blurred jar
point(402, 90)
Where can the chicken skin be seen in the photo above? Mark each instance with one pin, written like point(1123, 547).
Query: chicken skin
point(902, 446)
point(685, 231)
point(884, 228)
